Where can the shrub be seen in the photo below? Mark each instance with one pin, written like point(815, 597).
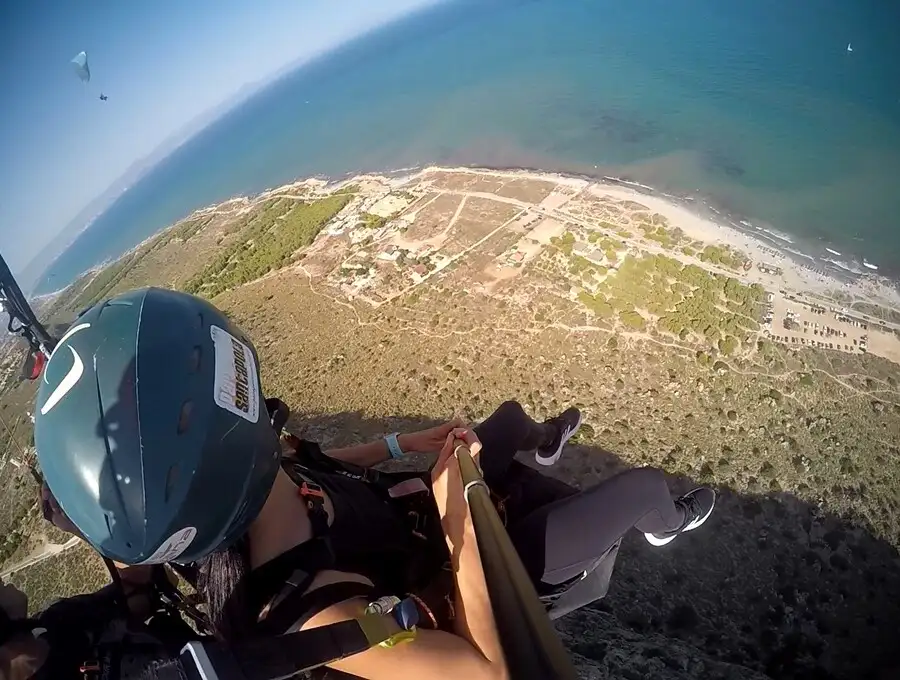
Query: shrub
point(632, 319)
point(767, 470)
point(683, 617)
point(596, 304)
point(728, 345)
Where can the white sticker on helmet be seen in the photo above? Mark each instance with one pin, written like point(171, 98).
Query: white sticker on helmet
point(236, 387)
point(172, 547)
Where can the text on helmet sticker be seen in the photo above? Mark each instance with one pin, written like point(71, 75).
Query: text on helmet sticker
point(236, 387)
point(172, 547)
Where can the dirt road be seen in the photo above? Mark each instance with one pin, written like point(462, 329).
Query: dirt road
point(49, 551)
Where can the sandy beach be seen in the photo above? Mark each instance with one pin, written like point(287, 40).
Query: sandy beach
point(801, 273)
point(793, 276)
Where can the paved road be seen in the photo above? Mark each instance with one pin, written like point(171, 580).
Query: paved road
point(49, 551)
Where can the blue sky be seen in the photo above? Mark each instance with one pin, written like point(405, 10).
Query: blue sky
point(161, 63)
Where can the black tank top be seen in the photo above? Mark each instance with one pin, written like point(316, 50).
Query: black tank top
point(369, 536)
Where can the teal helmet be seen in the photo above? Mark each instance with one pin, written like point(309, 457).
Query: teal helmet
point(151, 428)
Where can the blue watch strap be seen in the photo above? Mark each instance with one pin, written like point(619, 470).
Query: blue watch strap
point(393, 445)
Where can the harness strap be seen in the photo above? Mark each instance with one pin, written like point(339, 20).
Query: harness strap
point(294, 567)
point(314, 498)
point(309, 454)
point(298, 606)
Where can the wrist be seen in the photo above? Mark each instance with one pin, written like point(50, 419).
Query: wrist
point(394, 446)
point(406, 442)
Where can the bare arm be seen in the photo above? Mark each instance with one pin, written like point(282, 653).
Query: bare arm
point(474, 651)
point(474, 618)
point(433, 653)
point(367, 455)
point(424, 441)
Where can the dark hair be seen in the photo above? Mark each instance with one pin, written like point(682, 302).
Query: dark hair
point(222, 581)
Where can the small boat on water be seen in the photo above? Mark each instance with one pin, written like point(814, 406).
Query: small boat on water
point(868, 264)
point(833, 252)
point(849, 47)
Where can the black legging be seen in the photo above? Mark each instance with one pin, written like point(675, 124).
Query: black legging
point(558, 531)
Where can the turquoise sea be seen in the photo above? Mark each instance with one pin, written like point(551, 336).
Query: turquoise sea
point(756, 107)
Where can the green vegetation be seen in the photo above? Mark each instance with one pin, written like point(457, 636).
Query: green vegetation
point(76, 571)
point(605, 243)
point(104, 281)
point(565, 243)
point(102, 285)
point(598, 304)
point(581, 266)
point(728, 345)
point(687, 300)
point(799, 572)
point(724, 256)
point(656, 228)
point(268, 243)
point(12, 540)
point(370, 221)
point(633, 320)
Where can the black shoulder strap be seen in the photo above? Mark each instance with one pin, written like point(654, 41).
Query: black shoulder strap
point(298, 606)
point(309, 455)
point(289, 570)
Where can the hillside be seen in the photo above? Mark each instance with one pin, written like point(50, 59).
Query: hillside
point(382, 304)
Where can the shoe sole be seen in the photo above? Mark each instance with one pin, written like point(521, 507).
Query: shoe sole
point(700, 520)
point(547, 461)
point(658, 542)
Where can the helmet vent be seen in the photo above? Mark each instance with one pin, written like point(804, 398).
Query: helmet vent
point(184, 418)
point(195, 359)
point(171, 481)
point(200, 321)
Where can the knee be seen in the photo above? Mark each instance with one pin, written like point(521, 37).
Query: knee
point(508, 411)
point(510, 406)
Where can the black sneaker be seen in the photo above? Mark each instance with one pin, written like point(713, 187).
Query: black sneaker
point(566, 424)
point(698, 506)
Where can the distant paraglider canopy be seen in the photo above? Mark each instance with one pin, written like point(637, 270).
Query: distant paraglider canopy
point(82, 70)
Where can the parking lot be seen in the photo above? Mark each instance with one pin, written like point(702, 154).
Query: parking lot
point(816, 327)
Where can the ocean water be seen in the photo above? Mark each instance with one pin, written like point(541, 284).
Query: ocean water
point(757, 107)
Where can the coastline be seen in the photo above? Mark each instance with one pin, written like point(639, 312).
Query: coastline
point(702, 221)
point(819, 274)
